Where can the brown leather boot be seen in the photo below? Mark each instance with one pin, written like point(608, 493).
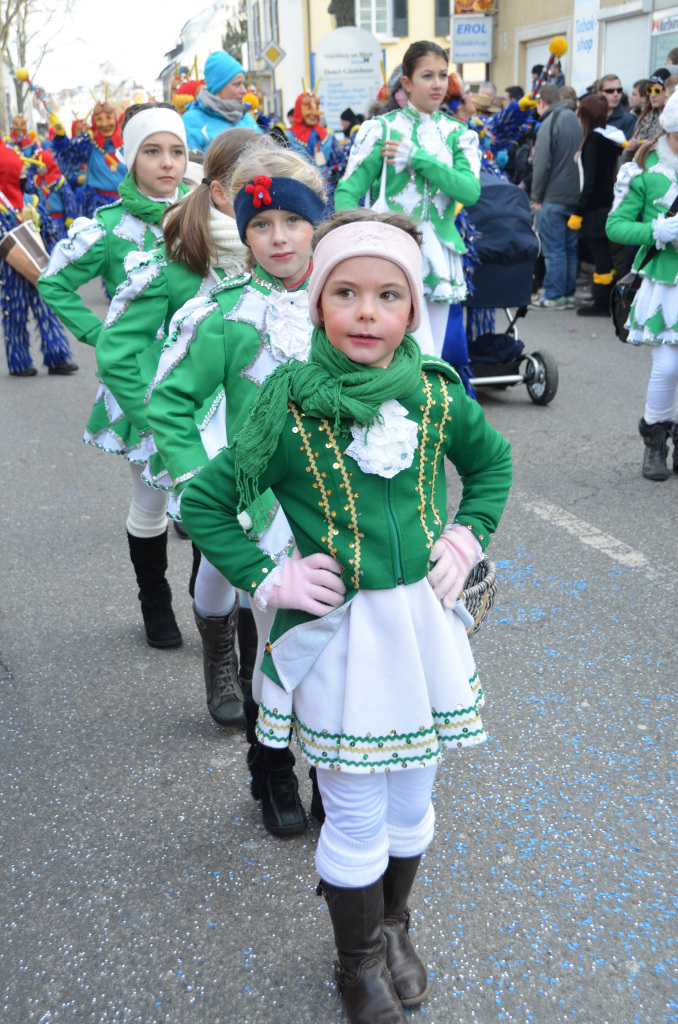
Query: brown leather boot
point(363, 979)
point(410, 977)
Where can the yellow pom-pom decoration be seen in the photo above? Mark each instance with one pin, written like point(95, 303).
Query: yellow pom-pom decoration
point(527, 103)
point(21, 74)
point(252, 99)
point(558, 46)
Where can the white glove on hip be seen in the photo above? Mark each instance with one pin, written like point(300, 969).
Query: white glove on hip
point(665, 230)
point(455, 553)
point(312, 584)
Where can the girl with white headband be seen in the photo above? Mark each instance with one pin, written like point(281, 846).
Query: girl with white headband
point(233, 339)
point(155, 153)
point(367, 660)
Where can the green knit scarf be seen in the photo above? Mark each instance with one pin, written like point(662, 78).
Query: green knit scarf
point(141, 206)
point(329, 385)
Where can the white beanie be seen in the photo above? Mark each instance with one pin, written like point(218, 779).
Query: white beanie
point(150, 122)
point(668, 118)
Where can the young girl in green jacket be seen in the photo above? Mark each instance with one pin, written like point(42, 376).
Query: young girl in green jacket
point(233, 339)
point(644, 193)
point(368, 658)
point(428, 163)
point(201, 248)
point(155, 151)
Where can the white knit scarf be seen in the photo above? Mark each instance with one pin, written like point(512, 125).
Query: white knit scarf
point(231, 253)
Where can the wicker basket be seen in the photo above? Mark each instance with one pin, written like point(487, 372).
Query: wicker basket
point(479, 593)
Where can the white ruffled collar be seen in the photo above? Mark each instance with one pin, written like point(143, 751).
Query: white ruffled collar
point(388, 445)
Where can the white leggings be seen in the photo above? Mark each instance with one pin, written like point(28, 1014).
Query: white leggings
point(371, 818)
point(147, 509)
point(214, 595)
point(661, 389)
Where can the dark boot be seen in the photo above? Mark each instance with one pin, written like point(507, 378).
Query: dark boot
point(194, 569)
point(410, 977)
point(247, 647)
point(281, 807)
point(655, 437)
point(63, 368)
point(317, 809)
point(363, 979)
point(255, 753)
point(674, 438)
point(149, 558)
point(220, 662)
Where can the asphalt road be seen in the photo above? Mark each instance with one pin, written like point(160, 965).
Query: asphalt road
point(137, 881)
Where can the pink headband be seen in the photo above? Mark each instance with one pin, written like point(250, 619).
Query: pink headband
point(367, 238)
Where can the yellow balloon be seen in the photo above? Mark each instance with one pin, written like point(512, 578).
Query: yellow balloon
point(21, 74)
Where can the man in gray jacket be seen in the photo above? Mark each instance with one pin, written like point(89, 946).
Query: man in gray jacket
point(554, 194)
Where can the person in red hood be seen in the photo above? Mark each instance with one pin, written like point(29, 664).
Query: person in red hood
point(56, 195)
point(101, 151)
point(308, 136)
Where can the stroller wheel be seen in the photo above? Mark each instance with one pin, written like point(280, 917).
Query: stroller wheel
point(542, 382)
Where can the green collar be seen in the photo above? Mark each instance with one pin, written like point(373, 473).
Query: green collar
point(141, 206)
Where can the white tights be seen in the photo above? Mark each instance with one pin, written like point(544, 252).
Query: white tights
point(661, 389)
point(371, 818)
point(214, 595)
point(147, 509)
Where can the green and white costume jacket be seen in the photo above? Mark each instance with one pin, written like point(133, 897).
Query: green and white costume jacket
point(94, 248)
point(648, 195)
point(231, 340)
point(138, 322)
point(388, 678)
point(437, 166)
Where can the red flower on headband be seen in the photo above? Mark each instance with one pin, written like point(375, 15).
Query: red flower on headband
point(259, 189)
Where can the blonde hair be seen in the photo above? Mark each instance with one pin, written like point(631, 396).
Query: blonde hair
point(186, 225)
point(279, 164)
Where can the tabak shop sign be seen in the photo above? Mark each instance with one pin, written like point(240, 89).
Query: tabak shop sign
point(471, 38)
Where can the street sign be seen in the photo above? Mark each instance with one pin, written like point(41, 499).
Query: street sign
point(272, 54)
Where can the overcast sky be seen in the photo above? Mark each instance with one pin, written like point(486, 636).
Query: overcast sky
point(133, 35)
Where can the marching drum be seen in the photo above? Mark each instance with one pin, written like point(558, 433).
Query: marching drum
point(23, 249)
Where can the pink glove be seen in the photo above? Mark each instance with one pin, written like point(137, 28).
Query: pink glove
point(455, 553)
point(311, 584)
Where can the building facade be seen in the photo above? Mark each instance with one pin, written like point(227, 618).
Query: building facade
point(629, 39)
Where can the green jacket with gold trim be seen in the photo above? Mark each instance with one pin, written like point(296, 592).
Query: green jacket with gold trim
point(381, 531)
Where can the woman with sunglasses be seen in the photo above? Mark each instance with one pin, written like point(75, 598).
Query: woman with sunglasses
point(647, 125)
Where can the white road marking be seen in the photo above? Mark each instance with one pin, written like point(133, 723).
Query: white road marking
point(617, 550)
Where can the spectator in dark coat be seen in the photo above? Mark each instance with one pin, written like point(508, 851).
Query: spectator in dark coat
point(555, 192)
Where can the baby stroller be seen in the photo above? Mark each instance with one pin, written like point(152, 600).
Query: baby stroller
point(507, 248)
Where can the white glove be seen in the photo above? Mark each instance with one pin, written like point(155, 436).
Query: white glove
point(312, 584)
point(455, 553)
point(665, 230)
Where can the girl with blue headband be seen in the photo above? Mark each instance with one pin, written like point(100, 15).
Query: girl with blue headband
point(201, 247)
point(233, 339)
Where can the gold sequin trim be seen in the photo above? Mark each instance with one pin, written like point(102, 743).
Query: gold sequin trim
point(350, 502)
point(425, 420)
point(313, 468)
point(439, 444)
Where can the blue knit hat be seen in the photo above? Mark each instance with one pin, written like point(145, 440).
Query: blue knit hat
point(220, 68)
